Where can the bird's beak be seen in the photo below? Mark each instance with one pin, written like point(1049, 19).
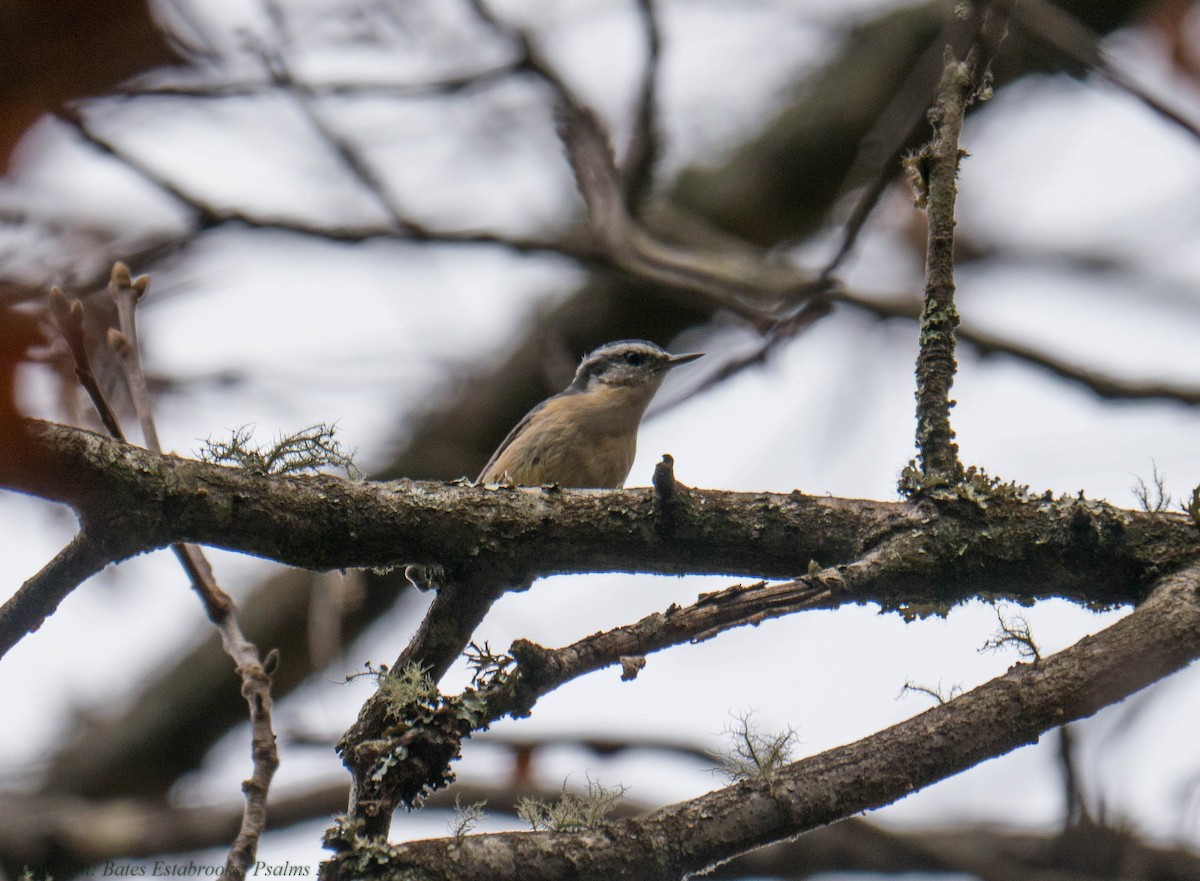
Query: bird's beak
point(676, 360)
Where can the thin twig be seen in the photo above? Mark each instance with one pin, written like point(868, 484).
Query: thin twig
point(346, 152)
point(256, 689)
point(743, 283)
point(881, 149)
point(125, 292)
point(219, 606)
point(1077, 813)
point(398, 227)
point(748, 286)
point(986, 344)
point(68, 315)
point(645, 144)
point(1067, 35)
point(450, 85)
point(81, 558)
point(73, 116)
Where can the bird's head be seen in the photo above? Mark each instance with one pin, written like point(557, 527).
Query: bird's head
point(628, 363)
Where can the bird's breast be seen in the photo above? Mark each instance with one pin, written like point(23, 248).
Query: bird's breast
point(583, 440)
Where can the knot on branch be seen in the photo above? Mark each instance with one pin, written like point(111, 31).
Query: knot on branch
point(532, 659)
point(631, 666)
point(671, 495)
point(534, 665)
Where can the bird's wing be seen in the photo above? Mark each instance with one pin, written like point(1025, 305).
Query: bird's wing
point(512, 436)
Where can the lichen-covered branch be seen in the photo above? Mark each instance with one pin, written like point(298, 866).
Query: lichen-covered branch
point(935, 169)
point(457, 610)
point(1160, 637)
point(999, 539)
point(65, 834)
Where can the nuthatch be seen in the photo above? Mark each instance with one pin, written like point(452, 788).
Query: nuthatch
point(586, 435)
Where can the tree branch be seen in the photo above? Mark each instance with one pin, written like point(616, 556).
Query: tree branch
point(38, 598)
point(64, 834)
point(539, 671)
point(645, 144)
point(1103, 385)
point(1159, 638)
point(1005, 538)
point(256, 681)
point(935, 170)
point(1066, 34)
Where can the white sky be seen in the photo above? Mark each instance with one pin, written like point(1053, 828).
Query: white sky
point(361, 335)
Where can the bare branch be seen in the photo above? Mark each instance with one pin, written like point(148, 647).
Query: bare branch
point(347, 154)
point(204, 215)
point(220, 607)
point(220, 90)
point(69, 318)
point(1077, 812)
point(645, 144)
point(897, 125)
point(986, 344)
point(400, 228)
point(540, 671)
point(125, 292)
point(1066, 34)
point(256, 689)
point(37, 599)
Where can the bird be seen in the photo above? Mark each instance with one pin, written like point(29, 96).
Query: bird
point(586, 435)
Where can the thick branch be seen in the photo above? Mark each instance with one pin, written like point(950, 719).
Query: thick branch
point(999, 539)
point(1159, 638)
point(1068, 547)
point(64, 835)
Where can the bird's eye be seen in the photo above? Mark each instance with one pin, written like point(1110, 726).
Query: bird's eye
point(635, 359)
